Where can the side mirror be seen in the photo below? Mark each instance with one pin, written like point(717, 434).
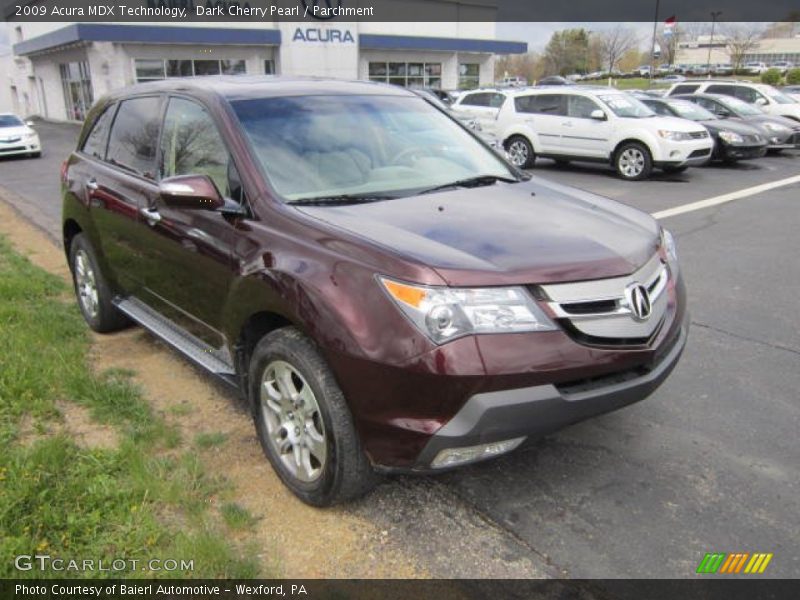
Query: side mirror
point(191, 192)
point(598, 115)
point(761, 101)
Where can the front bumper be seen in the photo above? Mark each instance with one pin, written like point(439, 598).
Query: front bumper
point(21, 146)
point(539, 410)
point(733, 152)
point(684, 153)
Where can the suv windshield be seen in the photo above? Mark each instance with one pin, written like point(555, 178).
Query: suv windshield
point(10, 121)
point(780, 97)
point(739, 106)
point(334, 146)
point(626, 106)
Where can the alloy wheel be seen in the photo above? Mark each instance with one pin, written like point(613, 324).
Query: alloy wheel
point(518, 153)
point(631, 162)
point(293, 421)
point(86, 284)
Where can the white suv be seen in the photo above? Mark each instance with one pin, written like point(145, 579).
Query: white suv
point(771, 100)
point(586, 123)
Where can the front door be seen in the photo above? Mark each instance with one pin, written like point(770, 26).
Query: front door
point(581, 135)
point(189, 250)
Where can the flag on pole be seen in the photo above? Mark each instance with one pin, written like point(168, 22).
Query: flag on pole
point(669, 25)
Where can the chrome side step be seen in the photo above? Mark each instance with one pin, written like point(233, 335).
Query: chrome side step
point(190, 346)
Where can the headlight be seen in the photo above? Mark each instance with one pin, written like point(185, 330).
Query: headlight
point(445, 313)
point(776, 127)
point(676, 136)
point(670, 250)
point(730, 137)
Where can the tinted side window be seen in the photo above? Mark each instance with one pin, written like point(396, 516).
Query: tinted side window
point(714, 107)
point(748, 94)
point(684, 89)
point(496, 101)
point(192, 145)
point(658, 108)
point(580, 107)
point(550, 104)
point(95, 144)
point(134, 135)
point(728, 90)
point(481, 99)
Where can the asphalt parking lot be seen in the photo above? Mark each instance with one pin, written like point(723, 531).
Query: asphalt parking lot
point(710, 462)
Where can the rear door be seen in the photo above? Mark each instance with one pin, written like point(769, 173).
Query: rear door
point(544, 113)
point(120, 181)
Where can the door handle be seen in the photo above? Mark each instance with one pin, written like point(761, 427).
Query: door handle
point(92, 185)
point(151, 215)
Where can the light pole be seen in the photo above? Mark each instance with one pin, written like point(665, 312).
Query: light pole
point(653, 46)
point(714, 16)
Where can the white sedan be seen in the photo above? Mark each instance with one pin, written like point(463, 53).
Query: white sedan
point(18, 137)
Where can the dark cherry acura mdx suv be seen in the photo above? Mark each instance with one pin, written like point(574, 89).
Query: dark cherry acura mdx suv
point(388, 293)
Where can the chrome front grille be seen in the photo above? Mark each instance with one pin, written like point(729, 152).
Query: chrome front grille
point(600, 311)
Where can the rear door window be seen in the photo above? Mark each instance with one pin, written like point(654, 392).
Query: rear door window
point(479, 99)
point(134, 135)
point(95, 144)
point(684, 89)
point(550, 104)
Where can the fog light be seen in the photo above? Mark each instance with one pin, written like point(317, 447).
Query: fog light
point(449, 457)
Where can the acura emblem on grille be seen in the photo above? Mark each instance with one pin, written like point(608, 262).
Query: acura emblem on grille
point(638, 299)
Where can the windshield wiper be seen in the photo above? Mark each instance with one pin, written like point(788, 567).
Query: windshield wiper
point(341, 199)
point(471, 182)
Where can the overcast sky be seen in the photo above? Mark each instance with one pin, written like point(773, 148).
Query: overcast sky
point(538, 34)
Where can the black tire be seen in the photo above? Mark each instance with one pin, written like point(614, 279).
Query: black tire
point(637, 153)
point(105, 317)
point(520, 151)
point(346, 472)
point(675, 169)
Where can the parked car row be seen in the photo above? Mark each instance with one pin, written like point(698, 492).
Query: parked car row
point(636, 132)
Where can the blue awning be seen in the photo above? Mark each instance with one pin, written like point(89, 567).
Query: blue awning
point(370, 41)
point(101, 32)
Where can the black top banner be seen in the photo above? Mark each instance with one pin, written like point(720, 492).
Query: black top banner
point(265, 11)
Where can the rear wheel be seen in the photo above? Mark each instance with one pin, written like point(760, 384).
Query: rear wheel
point(633, 161)
point(303, 421)
point(520, 152)
point(91, 288)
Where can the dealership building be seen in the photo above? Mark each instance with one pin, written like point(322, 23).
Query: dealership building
point(57, 70)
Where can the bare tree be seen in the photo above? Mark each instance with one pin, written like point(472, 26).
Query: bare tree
point(741, 38)
point(614, 43)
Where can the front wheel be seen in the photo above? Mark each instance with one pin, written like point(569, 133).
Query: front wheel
point(303, 421)
point(520, 152)
point(633, 161)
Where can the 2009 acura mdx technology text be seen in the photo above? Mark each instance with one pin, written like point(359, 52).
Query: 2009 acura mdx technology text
point(388, 293)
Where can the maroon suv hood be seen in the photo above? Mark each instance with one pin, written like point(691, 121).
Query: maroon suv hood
point(529, 232)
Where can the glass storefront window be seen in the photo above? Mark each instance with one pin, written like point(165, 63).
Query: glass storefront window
point(406, 74)
point(148, 69)
point(76, 83)
point(468, 76)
